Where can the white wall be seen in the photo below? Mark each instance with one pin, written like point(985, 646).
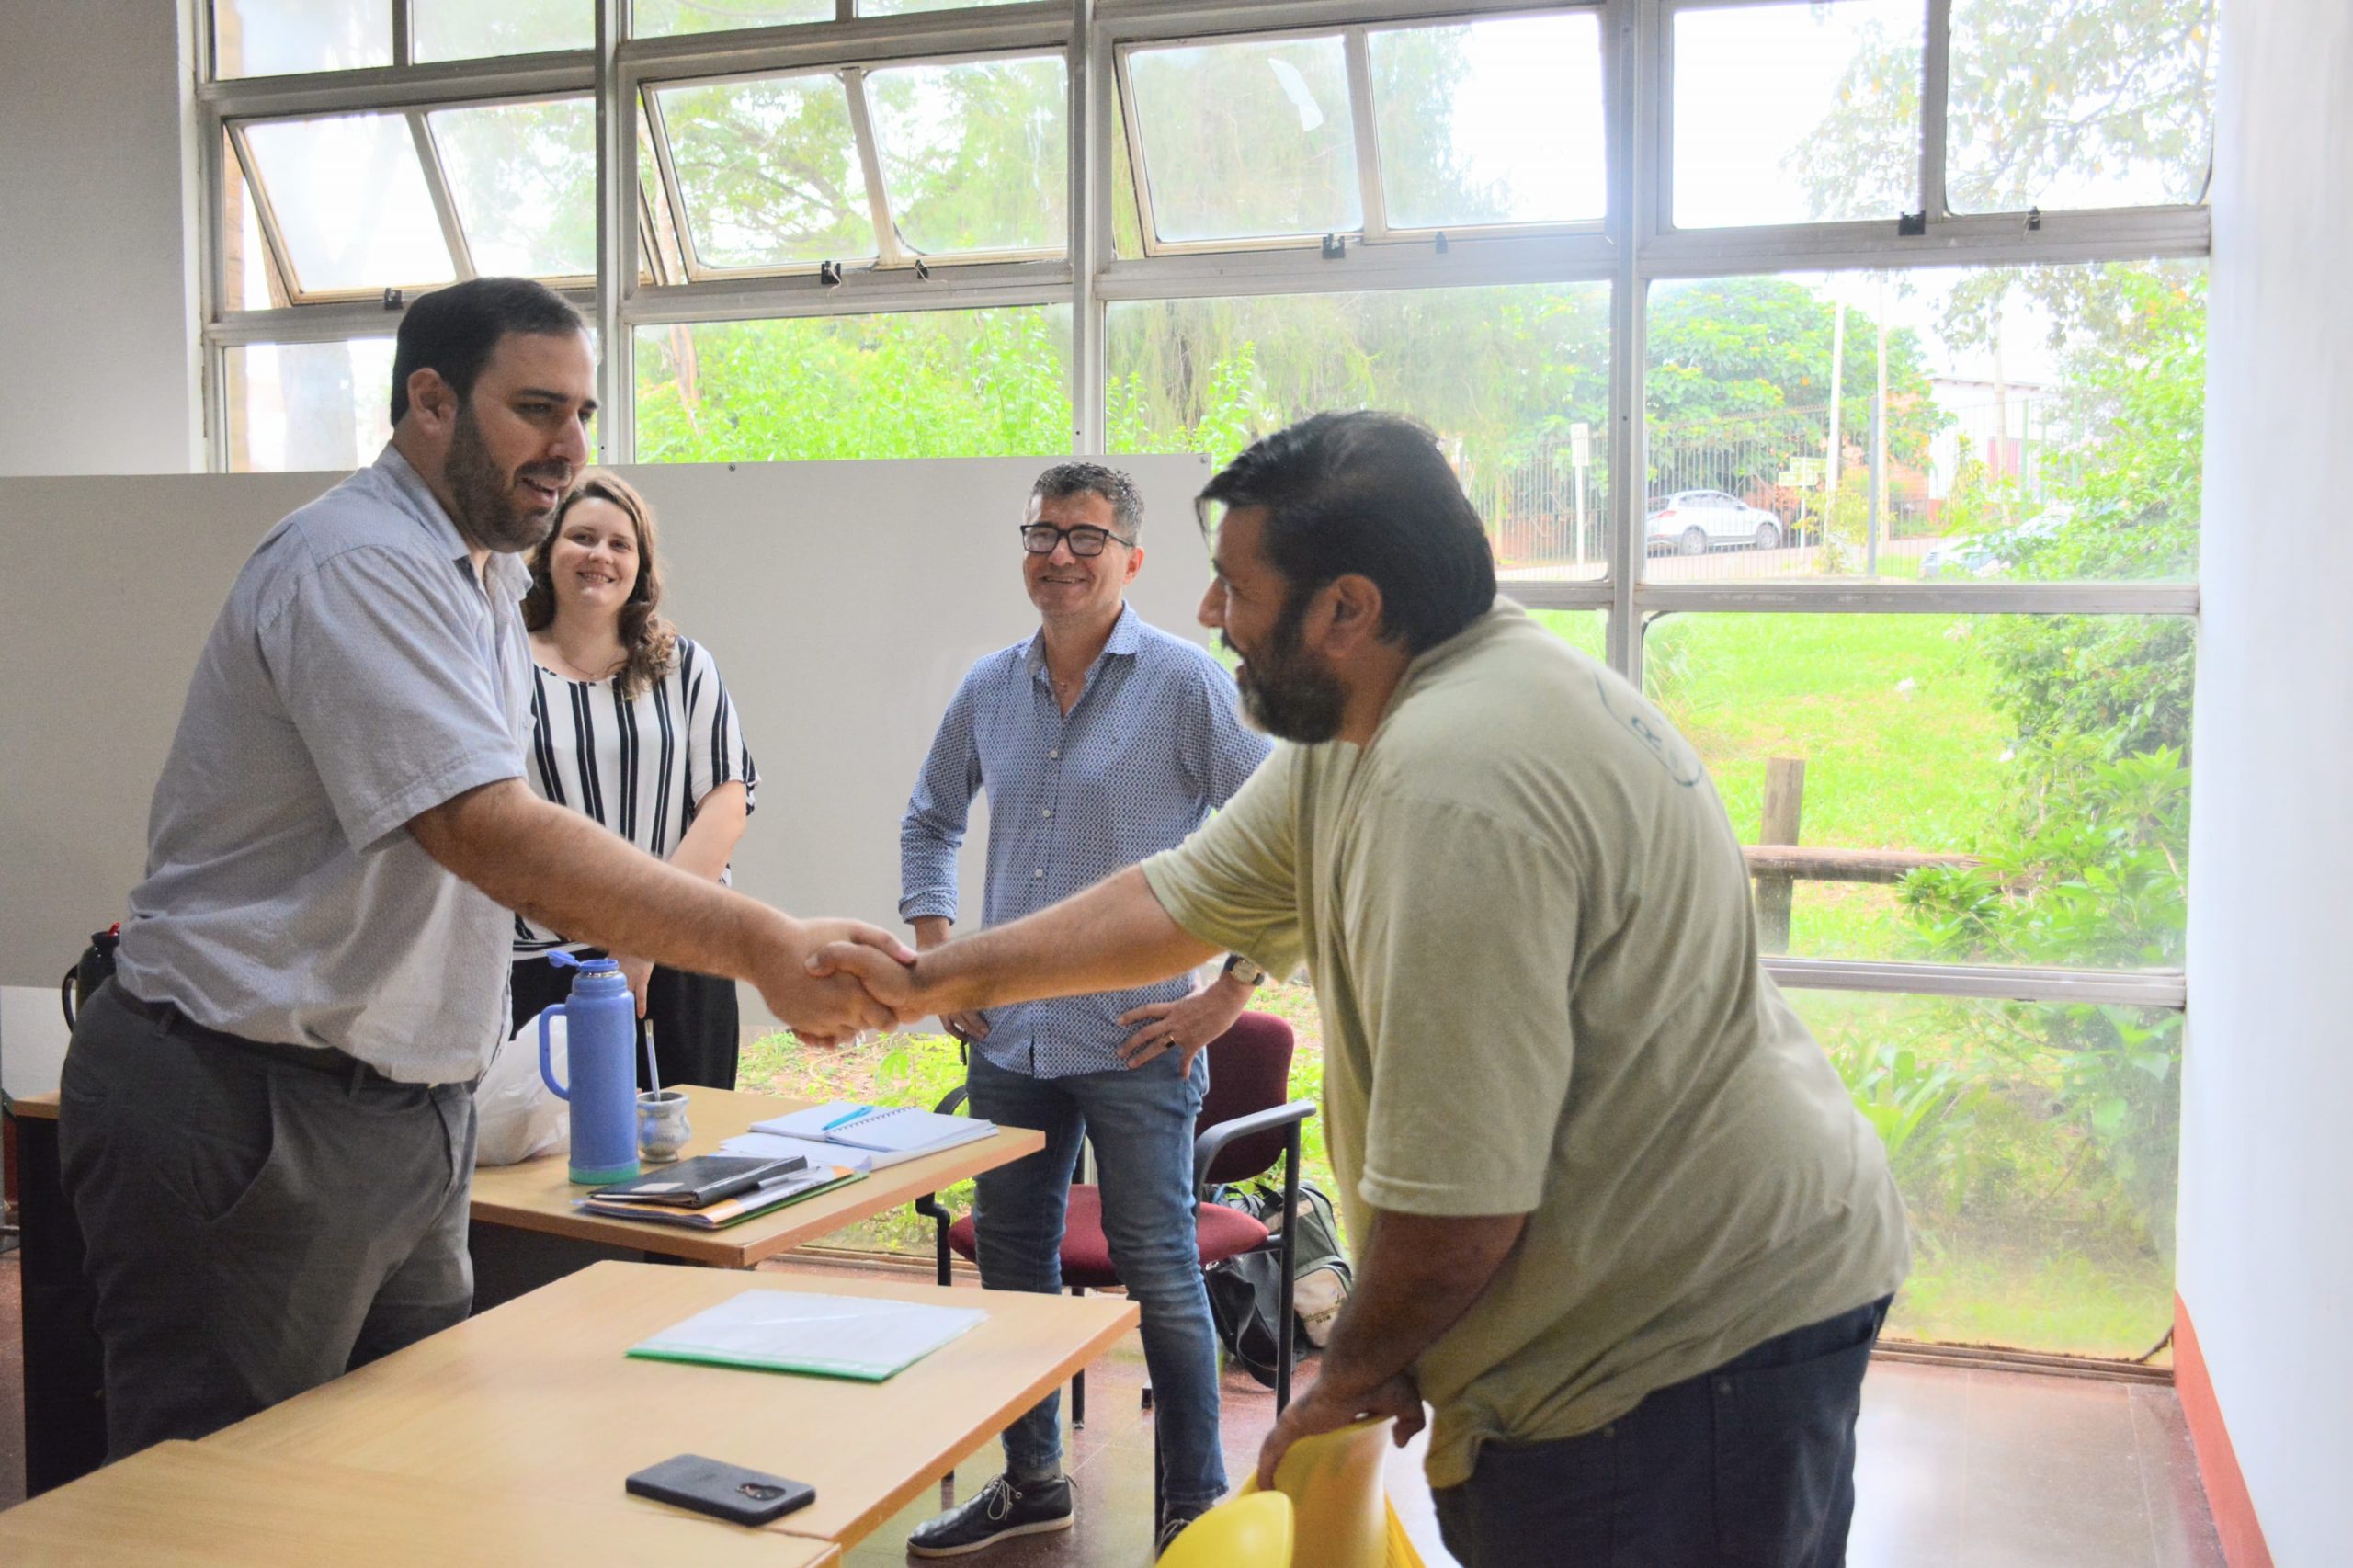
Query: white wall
point(2267, 1178)
point(97, 317)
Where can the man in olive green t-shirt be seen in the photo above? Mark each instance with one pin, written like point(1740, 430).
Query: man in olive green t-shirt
point(1619, 1222)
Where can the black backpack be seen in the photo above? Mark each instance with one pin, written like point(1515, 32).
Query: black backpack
point(1246, 1292)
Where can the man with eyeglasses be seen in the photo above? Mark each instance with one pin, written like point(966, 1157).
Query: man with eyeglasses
point(1100, 741)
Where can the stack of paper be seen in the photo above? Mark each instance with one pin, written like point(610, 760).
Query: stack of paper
point(818, 1177)
point(866, 1338)
point(864, 1137)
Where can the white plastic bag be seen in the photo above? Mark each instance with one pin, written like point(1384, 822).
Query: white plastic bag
point(517, 1115)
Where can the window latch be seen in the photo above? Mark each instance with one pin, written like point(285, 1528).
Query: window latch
point(1335, 247)
point(393, 300)
point(1912, 223)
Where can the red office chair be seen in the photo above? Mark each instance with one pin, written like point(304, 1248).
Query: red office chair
point(1245, 1125)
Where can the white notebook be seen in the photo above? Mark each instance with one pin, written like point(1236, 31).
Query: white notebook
point(866, 1337)
point(885, 1134)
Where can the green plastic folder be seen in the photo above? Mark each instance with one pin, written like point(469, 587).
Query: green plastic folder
point(867, 1338)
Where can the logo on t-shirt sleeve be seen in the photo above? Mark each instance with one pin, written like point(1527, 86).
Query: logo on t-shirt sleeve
point(1648, 725)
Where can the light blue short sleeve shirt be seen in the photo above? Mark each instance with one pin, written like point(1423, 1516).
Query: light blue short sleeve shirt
point(359, 674)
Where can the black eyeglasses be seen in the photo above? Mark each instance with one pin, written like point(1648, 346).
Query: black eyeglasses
point(1040, 539)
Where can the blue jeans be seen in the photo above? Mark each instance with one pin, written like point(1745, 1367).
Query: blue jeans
point(1749, 1466)
point(1140, 1123)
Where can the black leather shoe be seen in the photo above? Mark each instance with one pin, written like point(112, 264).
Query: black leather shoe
point(1002, 1511)
point(1170, 1529)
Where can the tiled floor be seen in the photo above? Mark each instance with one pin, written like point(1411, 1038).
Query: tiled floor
point(1959, 1470)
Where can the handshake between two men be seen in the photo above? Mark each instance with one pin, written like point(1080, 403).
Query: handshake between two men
point(1114, 935)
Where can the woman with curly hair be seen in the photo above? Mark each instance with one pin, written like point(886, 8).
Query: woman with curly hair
point(631, 726)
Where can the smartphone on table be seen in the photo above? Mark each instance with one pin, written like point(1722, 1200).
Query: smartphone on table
point(725, 1490)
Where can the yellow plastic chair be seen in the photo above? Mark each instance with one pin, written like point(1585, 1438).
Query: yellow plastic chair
point(1251, 1531)
point(1343, 1517)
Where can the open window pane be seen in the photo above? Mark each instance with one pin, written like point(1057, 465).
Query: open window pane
point(351, 202)
point(2037, 423)
point(975, 157)
point(1251, 140)
point(768, 171)
point(273, 38)
point(1798, 112)
point(524, 179)
point(2097, 103)
point(1490, 122)
point(2036, 1147)
point(470, 29)
point(299, 407)
point(918, 384)
point(249, 280)
point(1514, 380)
point(652, 18)
point(1976, 788)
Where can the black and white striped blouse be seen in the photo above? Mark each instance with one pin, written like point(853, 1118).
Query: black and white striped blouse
point(641, 768)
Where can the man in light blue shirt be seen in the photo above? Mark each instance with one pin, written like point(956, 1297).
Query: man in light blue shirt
point(1100, 741)
point(267, 1123)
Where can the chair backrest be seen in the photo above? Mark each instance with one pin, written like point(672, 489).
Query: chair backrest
point(1249, 1070)
point(1334, 1480)
point(1242, 1533)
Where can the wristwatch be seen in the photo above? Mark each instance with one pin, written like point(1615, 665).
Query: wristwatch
point(1243, 970)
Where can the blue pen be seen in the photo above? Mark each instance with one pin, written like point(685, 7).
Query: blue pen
point(843, 1120)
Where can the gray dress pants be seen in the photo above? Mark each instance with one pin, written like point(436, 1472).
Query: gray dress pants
point(253, 1227)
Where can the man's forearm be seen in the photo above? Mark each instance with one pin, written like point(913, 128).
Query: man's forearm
point(564, 872)
point(1417, 1275)
point(1112, 936)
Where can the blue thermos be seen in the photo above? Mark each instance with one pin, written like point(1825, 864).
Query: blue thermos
point(600, 1032)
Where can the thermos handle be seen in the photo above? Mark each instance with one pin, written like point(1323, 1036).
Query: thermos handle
point(547, 1065)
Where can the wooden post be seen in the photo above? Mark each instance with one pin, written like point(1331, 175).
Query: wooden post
point(1784, 803)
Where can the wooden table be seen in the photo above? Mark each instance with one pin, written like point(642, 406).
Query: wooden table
point(536, 1398)
point(525, 1234)
point(191, 1504)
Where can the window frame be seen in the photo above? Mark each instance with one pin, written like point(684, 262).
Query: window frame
point(1635, 246)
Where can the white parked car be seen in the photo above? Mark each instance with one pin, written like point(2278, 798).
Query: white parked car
point(1692, 522)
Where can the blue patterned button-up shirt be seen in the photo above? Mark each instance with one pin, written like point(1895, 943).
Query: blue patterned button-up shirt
point(1154, 744)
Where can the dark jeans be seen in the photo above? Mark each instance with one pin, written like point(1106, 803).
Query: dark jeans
point(696, 1028)
point(1749, 1466)
point(1141, 1124)
point(252, 1227)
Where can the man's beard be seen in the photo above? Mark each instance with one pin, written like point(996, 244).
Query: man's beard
point(487, 505)
point(1285, 692)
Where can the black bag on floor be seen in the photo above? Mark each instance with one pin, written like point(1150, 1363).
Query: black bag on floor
point(1246, 1292)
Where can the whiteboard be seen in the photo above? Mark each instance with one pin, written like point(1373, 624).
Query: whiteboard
point(842, 602)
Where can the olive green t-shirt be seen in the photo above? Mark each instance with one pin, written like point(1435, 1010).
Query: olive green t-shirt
point(1529, 925)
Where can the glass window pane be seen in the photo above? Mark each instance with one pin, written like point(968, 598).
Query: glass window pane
point(351, 202)
point(271, 38)
point(921, 384)
point(470, 29)
point(1508, 377)
point(2038, 422)
point(975, 157)
point(2101, 103)
point(1809, 110)
point(249, 279)
point(1587, 631)
point(297, 406)
point(1247, 140)
point(524, 179)
point(1490, 122)
point(664, 240)
point(652, 18)
point(768, 171)
point(2007, 790)
point(2036, 1146)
